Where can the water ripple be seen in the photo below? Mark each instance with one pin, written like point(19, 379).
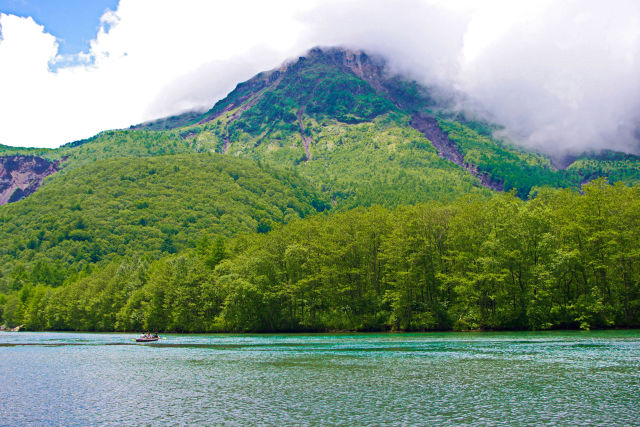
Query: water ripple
point(391, 379)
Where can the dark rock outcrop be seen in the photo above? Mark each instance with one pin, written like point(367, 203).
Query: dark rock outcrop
point(449, 150)
point(20, 176)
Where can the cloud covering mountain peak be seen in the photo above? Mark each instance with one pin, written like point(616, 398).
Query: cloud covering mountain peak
point(560, 76)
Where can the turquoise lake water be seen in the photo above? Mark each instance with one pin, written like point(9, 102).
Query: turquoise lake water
point(436, 378)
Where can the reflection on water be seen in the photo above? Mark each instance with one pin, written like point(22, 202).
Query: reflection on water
point(514, 378)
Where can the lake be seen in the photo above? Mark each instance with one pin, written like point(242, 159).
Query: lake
point(442, 378)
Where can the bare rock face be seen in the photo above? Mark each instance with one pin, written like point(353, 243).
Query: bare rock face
point(449, 150)
point(21, 176)
point(370, 68)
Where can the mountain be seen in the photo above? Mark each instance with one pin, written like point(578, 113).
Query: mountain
point(329, 115)
point(304, 113)
point(360, 134)
point(328, 193)
point(335, 121)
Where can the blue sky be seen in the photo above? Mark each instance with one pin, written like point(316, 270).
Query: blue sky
point(73, 22)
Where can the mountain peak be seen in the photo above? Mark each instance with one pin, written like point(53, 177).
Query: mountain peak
point(355, 72)
point(337, 82)
point(368, 67)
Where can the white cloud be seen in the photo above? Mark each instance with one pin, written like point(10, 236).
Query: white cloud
point(143, 51)
point(559, 75)
point(565, 78)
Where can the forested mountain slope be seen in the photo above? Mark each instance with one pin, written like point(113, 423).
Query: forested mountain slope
point(427, 222)
point(360, 134)
point(150, 206)
point(299, 113)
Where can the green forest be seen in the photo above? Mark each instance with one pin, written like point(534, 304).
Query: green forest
point(306, 200)
point(563, 259)
point(155, 205)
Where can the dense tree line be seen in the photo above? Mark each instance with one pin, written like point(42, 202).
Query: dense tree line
point(560, 260)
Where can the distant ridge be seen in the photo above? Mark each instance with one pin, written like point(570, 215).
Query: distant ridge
point(170, 122)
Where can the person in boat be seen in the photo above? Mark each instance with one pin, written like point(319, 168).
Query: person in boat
point(155, 335)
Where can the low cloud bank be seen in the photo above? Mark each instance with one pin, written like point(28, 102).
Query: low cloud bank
point(562, 77)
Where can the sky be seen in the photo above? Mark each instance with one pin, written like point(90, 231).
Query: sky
point(561, 76)
point(74, 23)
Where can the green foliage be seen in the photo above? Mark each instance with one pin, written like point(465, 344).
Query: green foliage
point(141, 206)
point(172, 122)
point(128, 143)
point(143, 230)
point(6, 150)
point(516, 168)
point(322, 90)
point(560, 260)
point(383, 161)
point(118, 143)
point(626, 170)
point(342, 96)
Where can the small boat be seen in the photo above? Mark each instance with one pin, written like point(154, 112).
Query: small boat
point(147, 338)
point(143, 339)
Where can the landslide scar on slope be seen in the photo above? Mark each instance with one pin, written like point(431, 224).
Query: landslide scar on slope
point(20, 176)
point(449, 150)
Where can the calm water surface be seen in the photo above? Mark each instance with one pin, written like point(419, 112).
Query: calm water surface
point(443, 378)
